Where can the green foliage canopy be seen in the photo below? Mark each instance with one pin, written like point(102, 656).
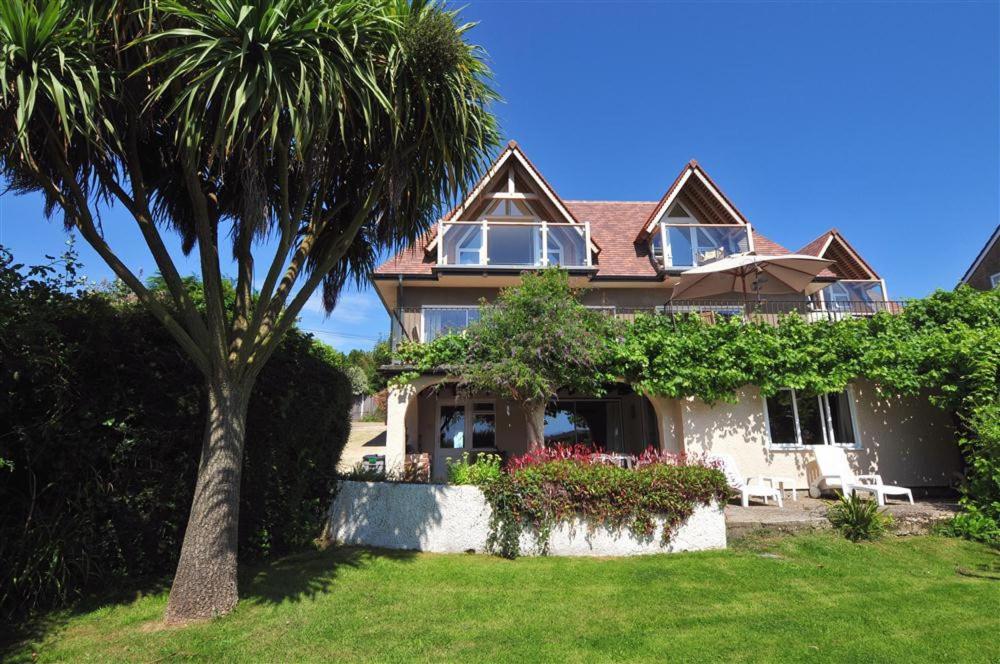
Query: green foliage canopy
point(535, 339)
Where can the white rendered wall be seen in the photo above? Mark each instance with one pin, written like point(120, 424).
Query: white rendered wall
point(455, 519)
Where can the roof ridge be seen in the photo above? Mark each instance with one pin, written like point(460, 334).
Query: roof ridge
point(586, 200)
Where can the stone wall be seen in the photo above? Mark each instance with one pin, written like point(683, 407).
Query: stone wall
point(455, 519)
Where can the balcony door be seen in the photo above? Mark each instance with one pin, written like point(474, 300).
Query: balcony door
point(463, 426)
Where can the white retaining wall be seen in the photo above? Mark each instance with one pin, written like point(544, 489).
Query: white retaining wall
point(455, 519)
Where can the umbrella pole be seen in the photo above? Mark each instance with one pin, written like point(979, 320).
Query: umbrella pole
point(746, 300)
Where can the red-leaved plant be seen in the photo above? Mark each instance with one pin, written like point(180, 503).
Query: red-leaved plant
point(581, 453)
point(546, 486)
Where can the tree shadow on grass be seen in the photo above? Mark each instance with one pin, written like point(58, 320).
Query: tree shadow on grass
point(305, 575)
point(295, 577)
point(15, 635)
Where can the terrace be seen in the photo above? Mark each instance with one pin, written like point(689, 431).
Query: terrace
point(429, 322)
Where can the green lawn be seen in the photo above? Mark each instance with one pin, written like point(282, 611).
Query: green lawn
point(808, 598)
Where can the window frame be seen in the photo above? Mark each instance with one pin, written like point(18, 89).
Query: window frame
point(461, 248)
point(549, 241)
point(423, 316)
point(995, 280)
point(469, 412)
point(617, 402)
point(827, 420)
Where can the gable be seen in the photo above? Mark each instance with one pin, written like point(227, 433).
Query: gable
point(847, 263)
point(512, 189)
point(696, 192)
point(990, 254)
point(512, 177)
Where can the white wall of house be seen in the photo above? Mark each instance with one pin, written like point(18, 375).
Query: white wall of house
point(905, 439)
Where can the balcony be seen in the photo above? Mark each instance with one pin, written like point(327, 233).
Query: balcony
point(430, 322)
point(691, 245)
point(851, 295)
point(769, 311)
point(506, 244)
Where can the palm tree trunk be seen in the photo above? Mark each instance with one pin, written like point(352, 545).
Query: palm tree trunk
point(205, 583)
point(534, 418)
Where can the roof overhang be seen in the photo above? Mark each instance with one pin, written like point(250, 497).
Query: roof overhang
point(981, 256)
point(692, 173)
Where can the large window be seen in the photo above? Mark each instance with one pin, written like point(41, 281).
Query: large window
point(795, 419)
point(468, 426)
point(442, 320)
point(859, 296)
point(590, 422)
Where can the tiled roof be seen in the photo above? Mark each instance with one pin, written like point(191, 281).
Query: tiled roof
point(850, 263)
point(613, 226)
point(816, 246)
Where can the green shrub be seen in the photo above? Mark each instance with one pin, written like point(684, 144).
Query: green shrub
point(102, 425)
point(479, 470)
point(377, 415)
point(858, 519)
point(360, 472)
point(540, 495)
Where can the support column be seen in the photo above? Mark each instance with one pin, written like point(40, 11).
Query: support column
point(668, 419)
point(402, 420)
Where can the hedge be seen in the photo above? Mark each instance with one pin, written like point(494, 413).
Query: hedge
point(103, 420)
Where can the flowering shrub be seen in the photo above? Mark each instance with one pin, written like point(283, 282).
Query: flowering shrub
point(545, 487)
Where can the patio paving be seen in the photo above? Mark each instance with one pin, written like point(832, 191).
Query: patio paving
point(807, 514)
point(366, 438)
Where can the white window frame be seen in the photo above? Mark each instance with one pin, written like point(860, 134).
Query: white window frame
point(827, 431)
point(423, 315)
point(995, 280)
point(477, 252)
point(558, 250)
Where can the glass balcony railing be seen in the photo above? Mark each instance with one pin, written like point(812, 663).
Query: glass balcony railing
point(691, 245)
point(852, 295)
point(513, 244)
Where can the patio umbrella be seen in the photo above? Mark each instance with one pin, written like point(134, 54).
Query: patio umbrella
point(769, 275)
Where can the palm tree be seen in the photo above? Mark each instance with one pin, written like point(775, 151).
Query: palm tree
point(320, 131)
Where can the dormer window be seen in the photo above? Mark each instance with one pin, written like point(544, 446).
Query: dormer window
point(690, 243)
point(512, 221)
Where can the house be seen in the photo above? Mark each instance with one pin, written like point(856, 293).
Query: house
point(984, 273)
point(630, 255)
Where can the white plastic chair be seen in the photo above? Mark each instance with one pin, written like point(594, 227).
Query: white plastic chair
point(745, 487)
point(835, 473)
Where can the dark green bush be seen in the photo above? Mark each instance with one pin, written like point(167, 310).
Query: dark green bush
point(858, 519)
point(101, 429)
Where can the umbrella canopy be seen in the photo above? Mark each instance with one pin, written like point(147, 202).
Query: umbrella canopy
point(768, 275)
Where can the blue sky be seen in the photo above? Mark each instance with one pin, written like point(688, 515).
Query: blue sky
point(881, 119)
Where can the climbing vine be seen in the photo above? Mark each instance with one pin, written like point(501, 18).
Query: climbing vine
point(946, 346)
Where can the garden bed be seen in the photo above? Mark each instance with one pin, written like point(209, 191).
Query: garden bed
point(453, 519)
